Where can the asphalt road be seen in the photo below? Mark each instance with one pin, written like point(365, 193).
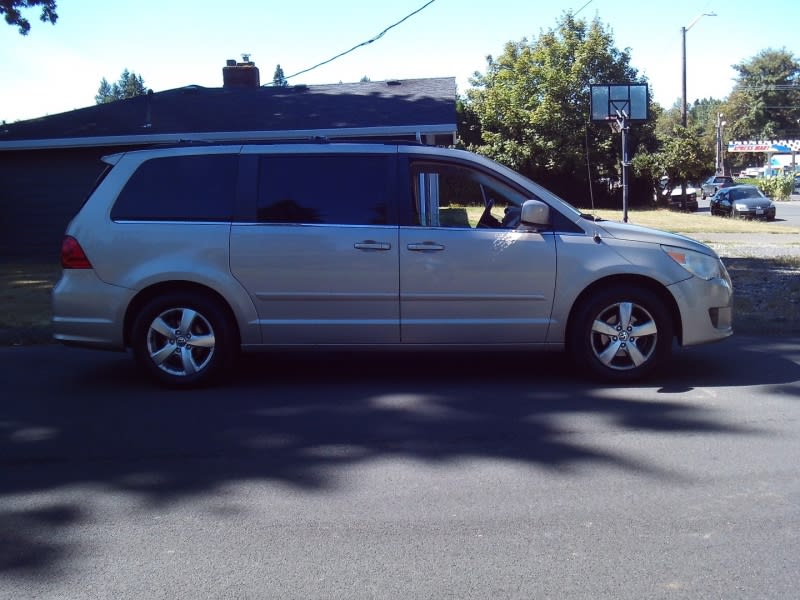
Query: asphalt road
point(402, 476)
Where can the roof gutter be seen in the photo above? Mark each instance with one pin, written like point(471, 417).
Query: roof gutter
point(417, 131)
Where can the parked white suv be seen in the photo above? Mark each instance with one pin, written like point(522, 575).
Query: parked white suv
point(188, 255)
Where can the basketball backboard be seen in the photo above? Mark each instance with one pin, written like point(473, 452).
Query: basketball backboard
point(612, 101)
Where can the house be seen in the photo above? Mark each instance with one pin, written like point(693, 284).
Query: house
point(48, 165)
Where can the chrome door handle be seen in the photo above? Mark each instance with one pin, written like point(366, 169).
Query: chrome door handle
point(425, 247)
point(372, 245)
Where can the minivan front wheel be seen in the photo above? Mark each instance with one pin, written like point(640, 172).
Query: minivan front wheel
point(183, 339)
point(621, 334)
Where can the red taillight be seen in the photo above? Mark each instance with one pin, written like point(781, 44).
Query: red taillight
point(72, 255)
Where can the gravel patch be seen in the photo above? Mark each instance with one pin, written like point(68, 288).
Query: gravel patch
point(765, 270)
point(733, 245)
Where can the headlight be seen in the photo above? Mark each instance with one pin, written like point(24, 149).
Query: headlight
point(741, 207)
point(698, 264)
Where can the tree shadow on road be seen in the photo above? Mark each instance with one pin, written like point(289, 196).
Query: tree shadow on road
point(298, 419)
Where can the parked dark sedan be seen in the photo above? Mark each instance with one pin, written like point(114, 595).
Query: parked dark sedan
point(715, 183)
point(744, 201)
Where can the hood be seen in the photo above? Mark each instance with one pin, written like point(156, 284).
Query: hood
point(637, 233)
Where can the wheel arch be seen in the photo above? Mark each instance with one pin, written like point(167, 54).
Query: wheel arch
point(169, 287)
point(616, 281)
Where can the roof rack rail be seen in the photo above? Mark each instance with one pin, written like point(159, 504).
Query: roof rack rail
point(318, 139)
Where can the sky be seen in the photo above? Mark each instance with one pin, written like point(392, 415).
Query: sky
point(174, 43)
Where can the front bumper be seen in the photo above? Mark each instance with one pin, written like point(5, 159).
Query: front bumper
point(706, 309)
point(766, 213)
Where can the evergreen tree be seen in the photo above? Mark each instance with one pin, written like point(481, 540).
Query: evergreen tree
point(129, 85)
point(278, 78)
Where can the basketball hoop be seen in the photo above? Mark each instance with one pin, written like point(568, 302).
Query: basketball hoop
point(618, 104)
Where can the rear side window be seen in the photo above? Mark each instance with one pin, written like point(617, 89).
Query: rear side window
point(326, 189)
point(180, 188)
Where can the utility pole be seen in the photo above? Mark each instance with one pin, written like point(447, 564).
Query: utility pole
point(720, 161)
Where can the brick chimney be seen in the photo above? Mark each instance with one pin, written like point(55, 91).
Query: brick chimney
point(240, 74)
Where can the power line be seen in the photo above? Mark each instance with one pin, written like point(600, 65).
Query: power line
point(769, 87)
point(369, 41)
point(581, 8)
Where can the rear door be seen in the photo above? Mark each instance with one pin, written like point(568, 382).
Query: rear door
point(319, 255)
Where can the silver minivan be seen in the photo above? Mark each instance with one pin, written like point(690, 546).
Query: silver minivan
point(188, 255)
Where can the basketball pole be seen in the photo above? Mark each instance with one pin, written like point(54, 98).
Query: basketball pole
point(622, 119)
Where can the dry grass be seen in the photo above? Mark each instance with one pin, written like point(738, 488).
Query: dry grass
point(679, 222)
point(25, 302)
point(25, 298)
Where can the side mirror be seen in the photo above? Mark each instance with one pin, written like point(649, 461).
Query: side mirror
point(535, 213)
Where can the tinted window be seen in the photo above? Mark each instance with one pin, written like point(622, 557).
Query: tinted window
point(331, 189)
point(180, 188)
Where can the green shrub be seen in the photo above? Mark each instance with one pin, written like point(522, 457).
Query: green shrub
point(777, 188)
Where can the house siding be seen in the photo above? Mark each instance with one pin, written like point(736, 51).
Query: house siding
point(40, 191)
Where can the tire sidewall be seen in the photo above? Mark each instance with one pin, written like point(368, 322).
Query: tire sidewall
point(579, 334)
point(224, 347)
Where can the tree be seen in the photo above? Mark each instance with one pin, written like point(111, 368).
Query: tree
point(682, 157)
point(129, 85)
point(532, 106)
point(279, 78)
point(765, 101)
point(10, 9)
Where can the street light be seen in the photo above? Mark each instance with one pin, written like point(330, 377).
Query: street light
point(683, 46)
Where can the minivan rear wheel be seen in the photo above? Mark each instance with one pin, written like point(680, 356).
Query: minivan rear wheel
point(183, 339)
point(621, 334)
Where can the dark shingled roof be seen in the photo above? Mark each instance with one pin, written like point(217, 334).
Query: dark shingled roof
point(413, 106)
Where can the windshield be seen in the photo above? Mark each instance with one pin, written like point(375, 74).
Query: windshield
point(742, 193)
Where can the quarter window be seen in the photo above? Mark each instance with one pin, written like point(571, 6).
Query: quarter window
point(180, 188)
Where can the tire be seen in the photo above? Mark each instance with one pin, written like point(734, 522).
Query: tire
point(621, 333)
point(184, 339)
